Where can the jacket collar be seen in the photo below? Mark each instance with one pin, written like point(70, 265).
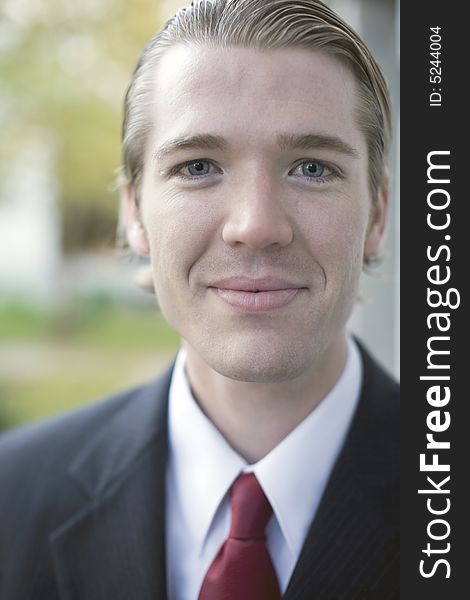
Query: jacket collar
point(114, 546)
point(355, 532)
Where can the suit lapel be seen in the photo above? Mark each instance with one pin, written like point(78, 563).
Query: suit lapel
point(114, 547)
point(345, 540)
point(352, 542)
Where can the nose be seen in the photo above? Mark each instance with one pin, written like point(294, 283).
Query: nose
point(257, 216)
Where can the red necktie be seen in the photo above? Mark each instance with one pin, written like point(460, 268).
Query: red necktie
point(242, 570)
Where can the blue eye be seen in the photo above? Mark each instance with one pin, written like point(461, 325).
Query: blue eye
point(316, 172)
point(191, 171)
point(312, 169)
point(198, 167)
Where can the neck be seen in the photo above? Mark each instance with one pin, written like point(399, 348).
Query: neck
point(255, 417)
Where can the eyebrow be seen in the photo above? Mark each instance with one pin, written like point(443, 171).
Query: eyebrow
point(310, 141)
point(286, 141)
point(192, 142)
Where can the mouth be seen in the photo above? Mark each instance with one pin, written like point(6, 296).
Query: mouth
point(254, 295)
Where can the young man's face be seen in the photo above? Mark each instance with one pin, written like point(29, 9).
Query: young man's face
point(255, 206)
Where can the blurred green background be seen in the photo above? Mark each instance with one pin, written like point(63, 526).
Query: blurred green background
point(73, 324)
point(53, 361)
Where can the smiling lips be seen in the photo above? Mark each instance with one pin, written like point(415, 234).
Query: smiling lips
point(256, 295)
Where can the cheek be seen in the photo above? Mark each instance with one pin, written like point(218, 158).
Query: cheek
point(179, 231)
point(335, 235)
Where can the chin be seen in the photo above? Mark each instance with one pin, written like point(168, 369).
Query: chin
point(260, 366)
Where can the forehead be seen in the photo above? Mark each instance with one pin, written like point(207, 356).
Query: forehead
point(252, 94)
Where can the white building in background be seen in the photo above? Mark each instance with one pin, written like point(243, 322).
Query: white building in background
point(30, 253)
point(33, 268)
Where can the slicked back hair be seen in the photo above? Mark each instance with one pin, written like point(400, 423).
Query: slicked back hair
point(262, 24)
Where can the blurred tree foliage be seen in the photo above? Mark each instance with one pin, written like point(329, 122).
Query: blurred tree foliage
point(64, 68)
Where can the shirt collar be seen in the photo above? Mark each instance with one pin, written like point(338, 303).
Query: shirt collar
point(204, 465)
point(294, 473)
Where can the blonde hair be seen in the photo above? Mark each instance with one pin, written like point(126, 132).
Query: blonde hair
point(259, 24)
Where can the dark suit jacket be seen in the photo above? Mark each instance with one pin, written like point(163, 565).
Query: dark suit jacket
point(82, 504)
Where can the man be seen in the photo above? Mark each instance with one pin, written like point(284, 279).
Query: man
point(265, 462)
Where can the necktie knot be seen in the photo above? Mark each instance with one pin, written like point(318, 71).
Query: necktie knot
point(250, 508)
point(243, 566)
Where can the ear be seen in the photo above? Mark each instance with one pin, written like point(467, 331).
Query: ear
point(136, 234)
point(377, 221)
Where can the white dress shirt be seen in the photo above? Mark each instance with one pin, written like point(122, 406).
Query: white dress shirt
point(202, 467)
